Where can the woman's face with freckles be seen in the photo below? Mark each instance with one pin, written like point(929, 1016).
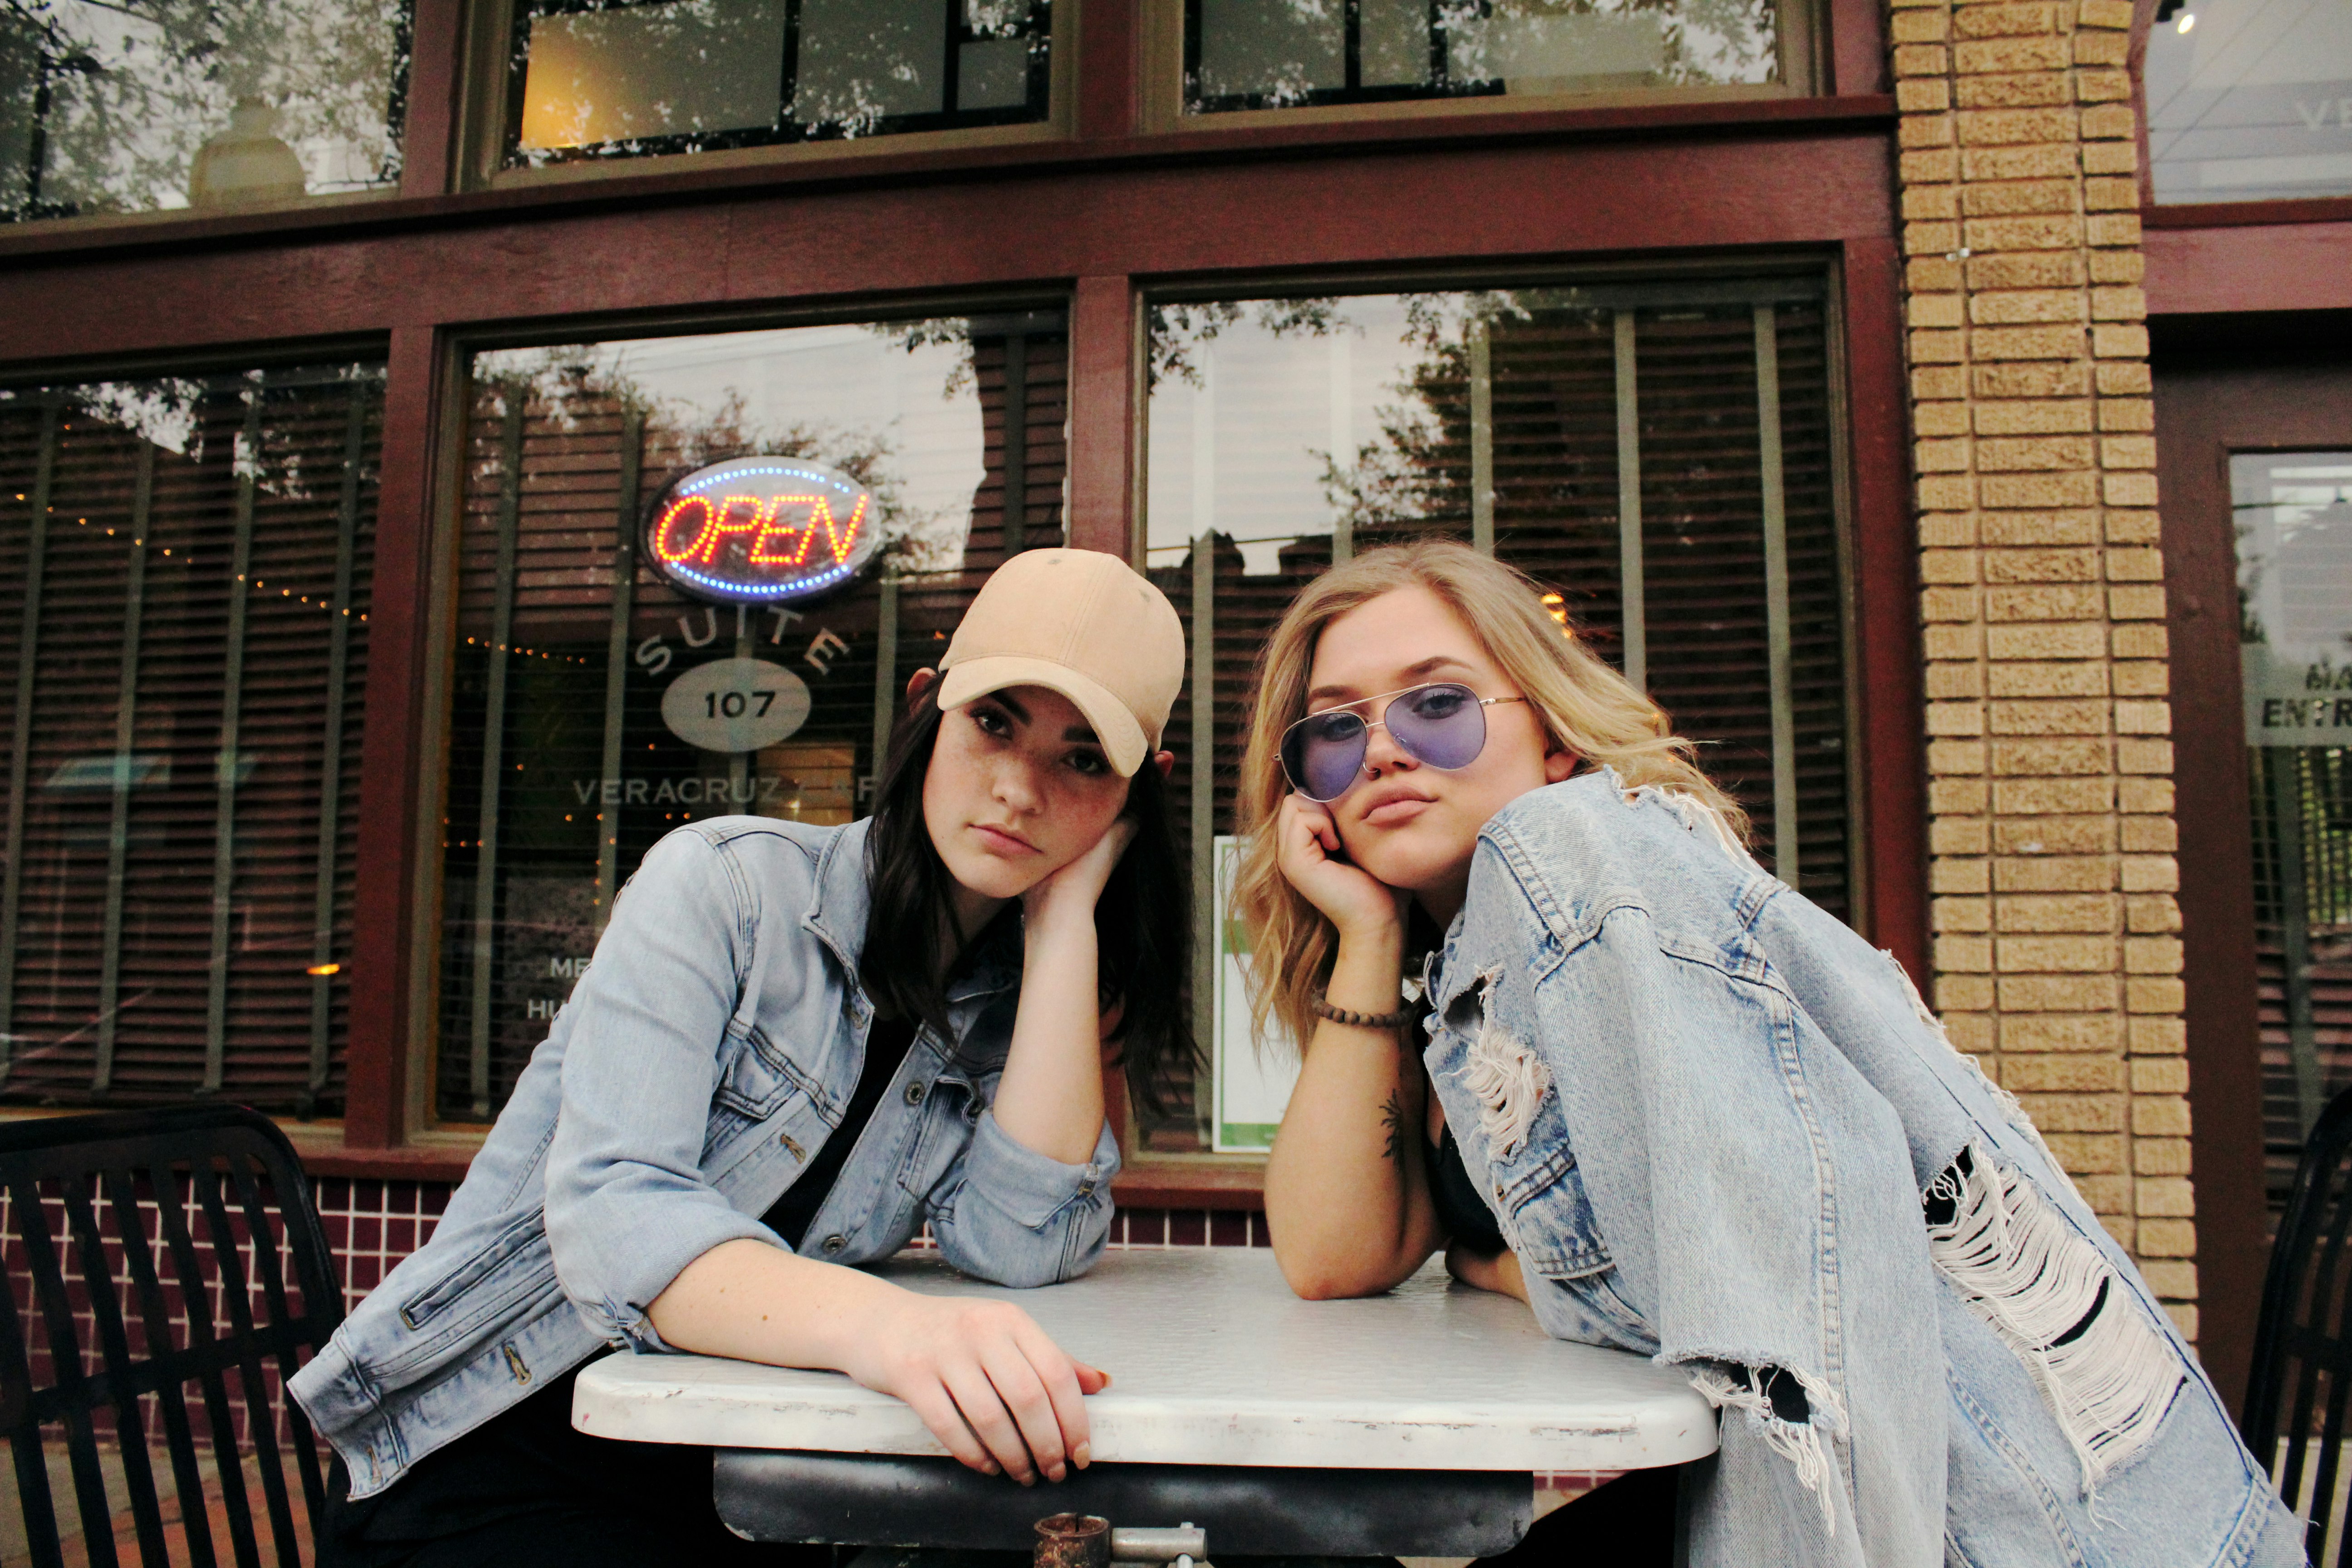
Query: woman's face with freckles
point(1017, 788)
point(1412, 826)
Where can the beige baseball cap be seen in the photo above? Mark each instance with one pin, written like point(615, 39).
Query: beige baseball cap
point(1083, 624)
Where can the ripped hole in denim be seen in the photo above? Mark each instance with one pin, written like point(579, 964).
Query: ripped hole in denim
point(1783, 1404)
point(1509, 1081)
point(1787, 1394)
point(2107, 1373)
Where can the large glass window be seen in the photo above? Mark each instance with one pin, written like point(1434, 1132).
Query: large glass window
point(633, 78)
point(149, 104)
point(2250, 100)
point(1659, 458)
point(1280, 53)
point(184, 568)
point(589, 710)
point(2293, 512)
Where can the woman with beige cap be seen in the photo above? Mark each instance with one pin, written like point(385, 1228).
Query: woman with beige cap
point(795, 1045)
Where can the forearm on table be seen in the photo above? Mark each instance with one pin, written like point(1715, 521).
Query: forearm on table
point(754, 1301)
point(1347, 1204)
point(1050, 1099)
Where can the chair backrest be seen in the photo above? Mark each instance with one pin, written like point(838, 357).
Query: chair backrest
point(2301, 1373)
point(178, 1276)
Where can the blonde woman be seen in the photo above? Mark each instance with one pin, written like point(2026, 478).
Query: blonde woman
point(1677, 1109)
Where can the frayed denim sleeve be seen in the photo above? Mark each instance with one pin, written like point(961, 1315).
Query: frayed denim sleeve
point(1010, 1216)
point(628, 1204)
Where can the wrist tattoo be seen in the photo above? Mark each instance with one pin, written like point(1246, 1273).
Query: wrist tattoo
point(1392, 1118)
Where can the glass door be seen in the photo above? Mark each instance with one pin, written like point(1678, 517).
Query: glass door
point(2293, 514)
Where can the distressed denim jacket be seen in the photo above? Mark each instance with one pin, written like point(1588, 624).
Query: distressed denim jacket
point(1720, 1128)
point(714, 1042)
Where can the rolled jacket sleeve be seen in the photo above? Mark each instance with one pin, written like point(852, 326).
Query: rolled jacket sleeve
point(1014, 1217)
point(628, 1204)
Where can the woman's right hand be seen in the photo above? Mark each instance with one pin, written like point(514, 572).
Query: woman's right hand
point(1496, 1271)
point(1307, 848)
point(986, 1380)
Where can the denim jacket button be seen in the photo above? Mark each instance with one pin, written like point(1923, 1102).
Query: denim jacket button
point(914, 1094)
point(836, 1243)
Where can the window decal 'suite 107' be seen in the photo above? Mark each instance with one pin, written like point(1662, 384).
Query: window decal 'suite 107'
point(761, 531)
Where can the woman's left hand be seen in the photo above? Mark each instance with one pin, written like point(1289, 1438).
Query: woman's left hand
point(1072, 891)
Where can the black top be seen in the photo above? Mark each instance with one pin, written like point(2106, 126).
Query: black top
point(887, 1045)
point(1459, 1207)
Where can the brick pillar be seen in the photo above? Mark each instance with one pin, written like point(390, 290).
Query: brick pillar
point(2057, 956)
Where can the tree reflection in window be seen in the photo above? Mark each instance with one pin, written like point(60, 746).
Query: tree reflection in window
point(123, 106)
point(1252, 54)
point(638, 79)
point(1657, 457)
point(564, 766)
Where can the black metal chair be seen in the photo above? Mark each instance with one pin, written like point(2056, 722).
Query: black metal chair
point(155, 1243)
point(2302, 1372)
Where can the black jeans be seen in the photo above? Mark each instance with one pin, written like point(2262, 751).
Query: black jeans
point(1627, 1523)
point(526, 1490)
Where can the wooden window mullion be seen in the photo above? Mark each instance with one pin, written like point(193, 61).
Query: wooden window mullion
point(126, 717)
point(20, 756)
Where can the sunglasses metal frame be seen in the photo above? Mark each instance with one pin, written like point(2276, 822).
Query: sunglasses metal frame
point(1385, 698)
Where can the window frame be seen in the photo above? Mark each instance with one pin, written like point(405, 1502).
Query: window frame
point(1169, 47)
point(400, 120)
point(1116, 98)
point(369, 349)
point(1680, 280)
point(2260, 390)
point(2280, 210)
point(491, 109)
point(422, 1047)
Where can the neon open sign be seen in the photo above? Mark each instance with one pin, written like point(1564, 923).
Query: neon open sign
point(761, 531)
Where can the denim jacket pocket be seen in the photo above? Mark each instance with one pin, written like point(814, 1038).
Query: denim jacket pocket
point(1550, 1216)
point(480, 1295)
point(517, 1238)
point(757, 1080)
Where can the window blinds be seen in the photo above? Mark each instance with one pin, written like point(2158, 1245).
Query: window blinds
point(184, 569)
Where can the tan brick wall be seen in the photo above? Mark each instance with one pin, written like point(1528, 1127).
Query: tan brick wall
point(2057, 953)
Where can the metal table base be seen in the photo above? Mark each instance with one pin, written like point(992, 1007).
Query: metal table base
point(767, 1494)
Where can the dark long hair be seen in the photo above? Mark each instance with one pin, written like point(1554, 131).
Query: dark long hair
point(1142, 920)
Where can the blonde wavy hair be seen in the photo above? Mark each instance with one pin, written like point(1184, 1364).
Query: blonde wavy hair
point(1586, 708)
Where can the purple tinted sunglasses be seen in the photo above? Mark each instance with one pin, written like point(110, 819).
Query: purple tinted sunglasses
point(1440, 725)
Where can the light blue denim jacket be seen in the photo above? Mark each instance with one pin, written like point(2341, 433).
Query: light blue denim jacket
point(712, 1045)
point(1718, 1128)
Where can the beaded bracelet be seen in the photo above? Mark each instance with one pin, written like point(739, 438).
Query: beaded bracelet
point(1396, 1020)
